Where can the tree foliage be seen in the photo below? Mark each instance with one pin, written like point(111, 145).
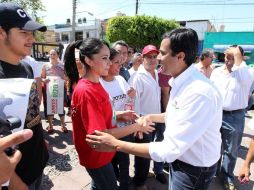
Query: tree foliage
point(138, 31)
point(31, 6)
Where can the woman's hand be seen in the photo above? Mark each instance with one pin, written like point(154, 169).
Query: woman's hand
point(102, 142)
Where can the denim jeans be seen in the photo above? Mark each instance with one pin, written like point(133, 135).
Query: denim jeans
point(121, 163)
point(36, 185)
point(158, 137)
point(231, 132)
point(103, 178)
point(187, 177)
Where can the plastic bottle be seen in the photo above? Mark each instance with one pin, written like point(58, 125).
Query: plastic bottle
point(129, 105)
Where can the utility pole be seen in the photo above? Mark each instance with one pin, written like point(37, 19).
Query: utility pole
point(137, 1)
point(73, 25)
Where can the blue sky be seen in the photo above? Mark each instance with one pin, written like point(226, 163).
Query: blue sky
point(236, 15)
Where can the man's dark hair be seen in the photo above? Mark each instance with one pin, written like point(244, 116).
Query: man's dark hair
point(121, 43)
point(206, 53)
point(183, 40)
point(240, 48)
point(7, 28)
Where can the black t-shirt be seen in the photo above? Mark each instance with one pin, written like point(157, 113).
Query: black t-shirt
point(34, 152)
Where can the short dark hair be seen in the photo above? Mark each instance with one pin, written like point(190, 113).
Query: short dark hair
point(6, 28)
point(183, 40)
point(205, 53)
point(121, 43)
point(113, 54)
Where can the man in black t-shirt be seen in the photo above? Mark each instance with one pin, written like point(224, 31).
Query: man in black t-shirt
point(16, 40)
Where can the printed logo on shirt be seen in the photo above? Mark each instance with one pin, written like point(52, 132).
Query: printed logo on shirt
point(175, 105)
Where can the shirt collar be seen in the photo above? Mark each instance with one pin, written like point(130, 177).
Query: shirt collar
point(180, 79)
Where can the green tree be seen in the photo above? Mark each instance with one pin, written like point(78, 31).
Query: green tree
point(32, 7)
point(138, 31)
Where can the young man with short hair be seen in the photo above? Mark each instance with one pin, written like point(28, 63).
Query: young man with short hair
point(16, 40)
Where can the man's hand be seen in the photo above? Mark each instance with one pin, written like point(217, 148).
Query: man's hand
point(8, 163)
point(244, 174)
point(145, 125)
point(131, 92)
point(16, 183)
point(235, 54)
point(102, 142)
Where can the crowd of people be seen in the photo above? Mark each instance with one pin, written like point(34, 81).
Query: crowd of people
point(155, 104)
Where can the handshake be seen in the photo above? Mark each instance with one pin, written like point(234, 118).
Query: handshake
point(144, 124)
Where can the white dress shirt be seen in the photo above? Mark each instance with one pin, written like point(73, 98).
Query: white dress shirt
point(234, 87)
point(193, 120)
point(148, 92)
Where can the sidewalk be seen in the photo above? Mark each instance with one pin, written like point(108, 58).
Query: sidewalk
point(64, 172)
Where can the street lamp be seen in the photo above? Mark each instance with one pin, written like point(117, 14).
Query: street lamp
point(91, 14)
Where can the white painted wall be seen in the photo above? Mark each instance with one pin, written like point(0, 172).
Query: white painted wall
point(200, 27)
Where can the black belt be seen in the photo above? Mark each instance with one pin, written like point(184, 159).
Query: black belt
point(233, 111)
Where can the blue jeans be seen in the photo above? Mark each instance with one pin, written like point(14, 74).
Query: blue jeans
point(231, 132)
point(158, 137)
point(187, 177)
point(36, 185)
point(121, 163)
point(103, 178)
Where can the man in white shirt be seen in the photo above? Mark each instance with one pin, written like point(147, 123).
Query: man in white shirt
point(204, 65)
point(193, 117)
point(148, 97)
point(233, 80)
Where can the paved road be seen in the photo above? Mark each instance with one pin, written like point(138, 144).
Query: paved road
point(64, 172)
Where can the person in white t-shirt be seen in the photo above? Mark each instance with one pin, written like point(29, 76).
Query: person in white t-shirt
point(37, 72)
point(119, 92)
point(192, 139)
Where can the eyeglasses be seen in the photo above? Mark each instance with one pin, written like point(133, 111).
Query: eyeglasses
point(151, 56)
